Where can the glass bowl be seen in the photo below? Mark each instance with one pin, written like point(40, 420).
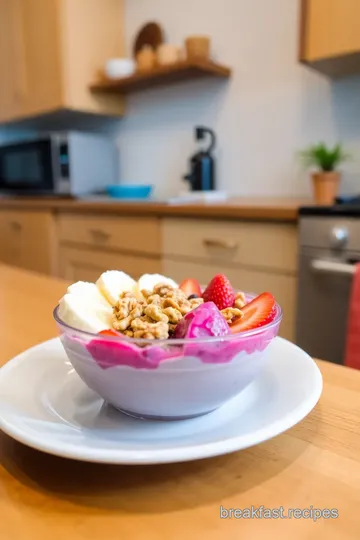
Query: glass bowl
point(170, 379)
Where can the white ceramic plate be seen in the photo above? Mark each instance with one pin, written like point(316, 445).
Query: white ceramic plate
point(44, 404)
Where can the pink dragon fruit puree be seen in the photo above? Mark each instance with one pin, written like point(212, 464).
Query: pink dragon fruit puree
point(204, 322)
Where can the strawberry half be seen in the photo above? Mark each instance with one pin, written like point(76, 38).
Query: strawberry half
point(110, 332)
point(219, 291)
point(190, 286)
point(260, 311)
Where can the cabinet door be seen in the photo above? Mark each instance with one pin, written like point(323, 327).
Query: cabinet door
point(331, 28)
point(11, 60)
point(92, 32)
point(77, 264)
point(27, 240)
point(9, 243)
point(283, 287)
point(42, 79)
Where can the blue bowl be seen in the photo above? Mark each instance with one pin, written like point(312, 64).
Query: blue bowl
point(129, 191)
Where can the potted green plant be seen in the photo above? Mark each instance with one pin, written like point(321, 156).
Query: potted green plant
point(326, 177)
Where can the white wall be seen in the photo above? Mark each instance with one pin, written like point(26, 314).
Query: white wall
point(271, 107)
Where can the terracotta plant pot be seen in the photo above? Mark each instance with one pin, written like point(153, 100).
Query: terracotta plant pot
point(326, 185)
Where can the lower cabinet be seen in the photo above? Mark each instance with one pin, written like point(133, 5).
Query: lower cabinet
point(257, 257)
point(79, 264)
point(282, 286)
point(28, 240)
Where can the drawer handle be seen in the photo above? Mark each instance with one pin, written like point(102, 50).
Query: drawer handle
point(331, 267)
point(99, 235)
point(15, 225)
point(220, 243)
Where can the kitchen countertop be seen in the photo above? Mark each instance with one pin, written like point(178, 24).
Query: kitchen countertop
point(315, 463)
point(267, 209)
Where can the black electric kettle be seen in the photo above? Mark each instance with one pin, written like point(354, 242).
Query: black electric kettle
point(202, 165)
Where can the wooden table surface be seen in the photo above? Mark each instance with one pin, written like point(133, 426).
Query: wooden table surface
point(317, 463)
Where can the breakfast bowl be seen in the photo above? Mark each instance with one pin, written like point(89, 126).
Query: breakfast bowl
point(168, 379)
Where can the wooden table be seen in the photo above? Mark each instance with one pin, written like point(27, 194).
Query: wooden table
point(47, 498)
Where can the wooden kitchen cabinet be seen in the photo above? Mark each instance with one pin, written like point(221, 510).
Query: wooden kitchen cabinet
point(51, 50)
point(9, 60)
point(270, 246)
point(330, 36)
point(79, 264)
point(126, 234)
point(28, 240)
point(91, 244)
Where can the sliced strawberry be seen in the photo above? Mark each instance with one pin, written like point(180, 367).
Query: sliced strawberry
point(220, 292)
point(190, 286)
point(260, 311)
point(110, 332)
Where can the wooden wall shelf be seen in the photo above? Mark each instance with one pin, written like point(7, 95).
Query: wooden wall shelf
point(161, 76)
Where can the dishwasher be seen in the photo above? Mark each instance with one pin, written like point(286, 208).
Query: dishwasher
point(329, 248)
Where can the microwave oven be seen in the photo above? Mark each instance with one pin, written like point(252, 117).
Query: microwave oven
point(65, 164)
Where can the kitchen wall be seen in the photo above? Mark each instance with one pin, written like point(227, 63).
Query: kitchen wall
point(271, 107)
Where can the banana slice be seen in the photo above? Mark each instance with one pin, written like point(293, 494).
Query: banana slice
point(89, 293)
point(112, 283)
point(81, 315)
point(148, 282)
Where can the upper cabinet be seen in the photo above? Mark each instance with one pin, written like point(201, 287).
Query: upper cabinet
point(330, 36)
point(50, 51)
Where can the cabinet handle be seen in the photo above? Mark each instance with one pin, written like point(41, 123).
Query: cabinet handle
point(15, 225)
point(99, 235)
point(220, 243)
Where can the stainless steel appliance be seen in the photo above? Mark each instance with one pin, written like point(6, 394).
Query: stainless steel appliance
point(329, 249)
point(71, 163)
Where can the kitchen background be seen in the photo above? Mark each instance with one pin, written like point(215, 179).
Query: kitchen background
point(271, 107)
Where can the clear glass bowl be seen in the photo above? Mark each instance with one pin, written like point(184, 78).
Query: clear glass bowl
point(169, 379)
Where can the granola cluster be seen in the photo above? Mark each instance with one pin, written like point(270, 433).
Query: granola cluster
point(154, 317)
point(160, 310)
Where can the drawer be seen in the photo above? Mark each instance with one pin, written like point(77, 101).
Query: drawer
point(133, 234)
point(283, 287)
point(78, 264)
point(267, 245)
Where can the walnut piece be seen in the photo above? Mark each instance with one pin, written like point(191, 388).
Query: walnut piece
point(126, 310)
point(173, 314)
point(240, 300)
point(146, 293)
point(163, 289)
point(124, 306)
point(148, 330)
point(154, 299)
point(231, 313)
point(155, 312)
point(122, 324)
